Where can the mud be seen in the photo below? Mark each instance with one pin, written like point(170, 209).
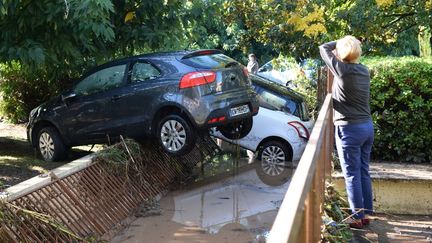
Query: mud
point(230, 202)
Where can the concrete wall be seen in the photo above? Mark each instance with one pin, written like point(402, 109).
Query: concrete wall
point(398, 196)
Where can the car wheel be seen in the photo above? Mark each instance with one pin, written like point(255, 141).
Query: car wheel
point(175, 135)
point(275, 162)
point(238, 129)
point(50, 145)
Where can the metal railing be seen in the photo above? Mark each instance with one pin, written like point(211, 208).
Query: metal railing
point(299, 217)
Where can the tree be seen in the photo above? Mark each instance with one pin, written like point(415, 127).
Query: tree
point(297, 27)
point(289, 27)
point(46, 44)
point(44, 33)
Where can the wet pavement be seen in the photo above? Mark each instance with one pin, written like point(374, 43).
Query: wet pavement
point(229, 202)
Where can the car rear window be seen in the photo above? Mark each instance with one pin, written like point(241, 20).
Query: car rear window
point(276, 101)
point(213, 61)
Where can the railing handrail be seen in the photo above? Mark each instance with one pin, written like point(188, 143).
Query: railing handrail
point(288, 220)
point(38, 182)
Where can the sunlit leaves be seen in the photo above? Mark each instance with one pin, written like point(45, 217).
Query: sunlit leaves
point(384, 3)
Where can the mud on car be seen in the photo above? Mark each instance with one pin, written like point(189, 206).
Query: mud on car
point(170, 97)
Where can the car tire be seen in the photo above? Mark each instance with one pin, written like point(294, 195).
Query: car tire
point(50, 145)
point(238, 129)
point(175, 135)
point(275, 166)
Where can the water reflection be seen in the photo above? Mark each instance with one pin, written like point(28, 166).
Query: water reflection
point(243, 199)
point(229, 202)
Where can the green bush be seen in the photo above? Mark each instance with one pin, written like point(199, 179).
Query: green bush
point(401, 106)
point(22, 90)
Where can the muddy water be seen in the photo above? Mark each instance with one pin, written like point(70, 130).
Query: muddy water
point(235, 204)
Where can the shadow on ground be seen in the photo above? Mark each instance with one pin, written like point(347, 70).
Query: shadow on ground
point(19, 162)
point(396, 228)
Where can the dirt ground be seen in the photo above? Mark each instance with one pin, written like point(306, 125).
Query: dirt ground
point(396, 228)
point(18, 161)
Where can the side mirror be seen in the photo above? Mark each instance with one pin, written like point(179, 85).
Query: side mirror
point(69, 95)
point(262, 69)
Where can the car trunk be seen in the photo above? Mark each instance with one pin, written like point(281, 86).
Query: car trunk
point(231, 78)
point(230, 75)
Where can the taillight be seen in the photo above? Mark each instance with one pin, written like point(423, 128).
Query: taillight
point(300, 128)
point(216, 119)
point(197, 78)
point(245, 71)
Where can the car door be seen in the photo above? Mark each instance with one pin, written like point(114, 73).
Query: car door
point(86, 116)
point(130, 107)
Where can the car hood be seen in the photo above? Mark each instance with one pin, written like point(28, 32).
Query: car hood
point(48, 105)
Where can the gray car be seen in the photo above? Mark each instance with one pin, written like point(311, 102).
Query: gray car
point(170, 97)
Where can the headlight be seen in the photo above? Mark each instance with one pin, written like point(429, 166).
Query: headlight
point(34, 112)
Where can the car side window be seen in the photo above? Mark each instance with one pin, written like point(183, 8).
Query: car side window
point(101, 80)
point(142, 71)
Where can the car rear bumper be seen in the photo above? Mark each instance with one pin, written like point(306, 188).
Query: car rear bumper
point(219, 105)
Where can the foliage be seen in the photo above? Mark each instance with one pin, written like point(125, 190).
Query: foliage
point(12, 217)
point(45, 45)
point(381, 24)
point(22, 90)
point(296, 27)
point(333, 228)
point(304, 83)
point(288, 27)
point(60, 33)
point(401, 106)
point(123, 159)
point(425, 38)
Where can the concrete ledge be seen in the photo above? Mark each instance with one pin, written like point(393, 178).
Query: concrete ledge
point(398, 188)
point(42, 180)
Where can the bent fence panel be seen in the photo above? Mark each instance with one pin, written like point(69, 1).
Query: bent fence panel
point(86, 199)
point(299, 217)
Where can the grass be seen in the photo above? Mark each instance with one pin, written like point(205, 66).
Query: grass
point(19, 162)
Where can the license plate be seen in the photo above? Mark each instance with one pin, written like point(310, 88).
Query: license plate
point(239, 110)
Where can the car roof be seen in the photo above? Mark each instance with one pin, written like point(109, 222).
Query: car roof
point(276, 87)
point(174, 54)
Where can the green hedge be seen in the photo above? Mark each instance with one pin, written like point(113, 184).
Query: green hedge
point(401, 106)
point(22, 90)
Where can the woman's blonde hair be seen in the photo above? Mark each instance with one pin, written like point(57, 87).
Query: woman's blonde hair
point(349, 49)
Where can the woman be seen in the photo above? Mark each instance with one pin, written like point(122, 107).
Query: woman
point(354, 131)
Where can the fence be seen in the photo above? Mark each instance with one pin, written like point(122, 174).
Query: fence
point(299, 217)
point(90, 199)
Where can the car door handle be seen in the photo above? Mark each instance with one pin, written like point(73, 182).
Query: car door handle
point(117, 97)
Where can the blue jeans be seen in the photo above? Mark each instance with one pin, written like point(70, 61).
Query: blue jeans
point(354, 145)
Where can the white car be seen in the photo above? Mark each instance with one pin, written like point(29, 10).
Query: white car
point(281, 72)
point(285, 70)
point(281, 129)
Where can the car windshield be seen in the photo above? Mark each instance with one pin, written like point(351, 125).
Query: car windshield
point(275, 101)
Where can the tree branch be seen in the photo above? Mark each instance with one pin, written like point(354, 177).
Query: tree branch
point(396, 20)
point(399, 14)
point(406, 28)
